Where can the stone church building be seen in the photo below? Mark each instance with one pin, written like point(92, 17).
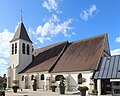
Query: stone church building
point(71, 60)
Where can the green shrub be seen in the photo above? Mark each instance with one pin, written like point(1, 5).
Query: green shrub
point(53, 86)
point(82, 88)
point(94, 91)
point(15, 87)
point(2, 91)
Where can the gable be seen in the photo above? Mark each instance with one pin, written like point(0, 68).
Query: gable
point(106, 46)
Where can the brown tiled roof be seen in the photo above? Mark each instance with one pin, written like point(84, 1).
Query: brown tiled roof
point(81, 55)
point(44, 58)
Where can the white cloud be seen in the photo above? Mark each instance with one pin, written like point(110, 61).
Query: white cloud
point(5, 38)
point(117, 39)
point(42, 39)
point(51, 29)
point(54, 18)
point(85, 14)
point(53, 26)
point(3, 62)
point(115, 52)
point(50, 5)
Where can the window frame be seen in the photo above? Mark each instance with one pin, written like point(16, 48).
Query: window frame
point(32, 77)
point(42, 77)
point(28, 49)
point(22, 78)
point(12, 49)
point(15, 48)
point(79, 78)
point(23, 48)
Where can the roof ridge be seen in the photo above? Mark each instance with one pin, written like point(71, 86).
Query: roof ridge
point(51, 45)
point(105, 34)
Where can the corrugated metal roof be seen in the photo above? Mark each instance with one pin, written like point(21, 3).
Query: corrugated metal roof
point(109, 68)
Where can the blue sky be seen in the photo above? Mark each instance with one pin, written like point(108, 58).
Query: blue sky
point(52, 21)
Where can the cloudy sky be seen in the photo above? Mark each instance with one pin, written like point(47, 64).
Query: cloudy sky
point(52, 21)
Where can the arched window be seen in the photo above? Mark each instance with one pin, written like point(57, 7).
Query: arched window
point(80, 78)
point(22, 78)
point(12, 49)
point(15, 48)
point(23, 48)
point(42, 77)
point(32, 77)
point(28, 49)
point(58, 77)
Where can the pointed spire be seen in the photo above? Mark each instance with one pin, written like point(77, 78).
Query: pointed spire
point(21, 33)
point(21, 15)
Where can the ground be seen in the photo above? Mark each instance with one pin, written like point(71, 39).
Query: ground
point(29, 92)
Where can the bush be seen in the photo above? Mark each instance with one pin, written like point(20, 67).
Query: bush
point(53, 86)
point(94, 91)
point(2, 91)
point(82, 88)
point(15, 87)
point(62, 83)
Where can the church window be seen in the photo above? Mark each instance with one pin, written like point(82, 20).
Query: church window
point(42, 77)
point(12, 49)
point(80, 78)
point(28, 49)
point(32, 77)
point(23, 48)
point(22, 78)
point(15, 48)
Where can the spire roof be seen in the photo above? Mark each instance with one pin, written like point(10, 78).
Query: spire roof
point(21, 33)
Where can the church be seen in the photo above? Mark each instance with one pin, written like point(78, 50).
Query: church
point(71, 60)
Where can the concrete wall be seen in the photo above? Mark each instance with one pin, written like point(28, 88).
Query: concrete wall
point(24, 59)
point(14, 58)
point(19, 60)
point(42, 84)
point(71, 81)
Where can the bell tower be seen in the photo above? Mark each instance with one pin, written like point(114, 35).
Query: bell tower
point(20, 52)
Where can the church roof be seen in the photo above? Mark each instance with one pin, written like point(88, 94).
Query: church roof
point(21, 33)
point(82, 55)
point(44, 58)
point(109, 68)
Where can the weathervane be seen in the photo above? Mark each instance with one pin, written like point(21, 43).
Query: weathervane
point(21, 15)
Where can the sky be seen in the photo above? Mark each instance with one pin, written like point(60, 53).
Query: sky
point(51, 21)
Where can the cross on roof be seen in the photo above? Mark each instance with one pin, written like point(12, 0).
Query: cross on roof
point(21, 15)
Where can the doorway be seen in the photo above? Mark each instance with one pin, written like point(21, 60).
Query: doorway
point(105, 86)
